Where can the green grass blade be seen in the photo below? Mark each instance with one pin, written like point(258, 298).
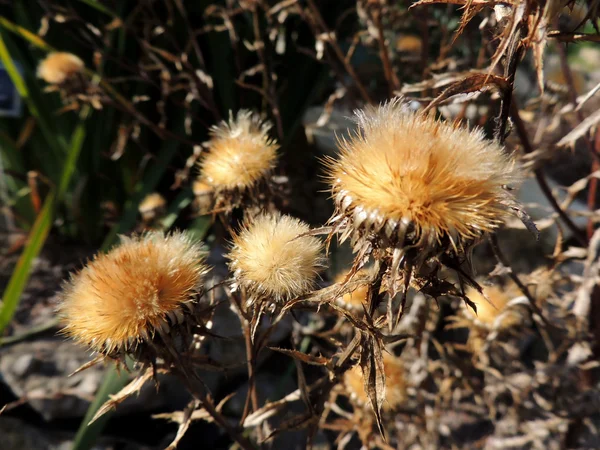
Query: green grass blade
point(184, 198)
point(38, 234)
point(20, 276)
point(100, 8)
point(25, 34)
point(87, 434)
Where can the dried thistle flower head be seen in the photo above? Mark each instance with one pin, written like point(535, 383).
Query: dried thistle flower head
point(146, 286)
point(152, 206)
point(417, 185)
point(240, 155)
point(273, 259)
point(59, 67)
point(395, 383)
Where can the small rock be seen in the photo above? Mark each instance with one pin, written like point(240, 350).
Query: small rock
point(22, 365)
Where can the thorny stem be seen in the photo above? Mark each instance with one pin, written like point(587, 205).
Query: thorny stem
point(541, 179)
point(493, 239)
point(196, 387)
point(514, 53)
point(592, 147)
point(591, 201)
point(251, 362)
point(268, 86)
point(331, 40)
point(373, 295)
point(390, 76)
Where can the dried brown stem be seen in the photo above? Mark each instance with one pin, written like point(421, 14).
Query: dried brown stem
point(268, 84)
point(592, 149)
point(493, 239)
point(541, 179)
point(316, 15)
point(196, 387)
point(388, 70)
point(252, 397)
point(513, 56)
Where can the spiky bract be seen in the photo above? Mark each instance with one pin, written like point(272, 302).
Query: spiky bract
point(395, 383)
point(240, 153)
point(408, 180)
point(273, 259)
point(121, 299)
point(59, 67)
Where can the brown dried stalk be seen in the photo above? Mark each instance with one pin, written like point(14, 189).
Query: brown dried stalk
point(332, 41)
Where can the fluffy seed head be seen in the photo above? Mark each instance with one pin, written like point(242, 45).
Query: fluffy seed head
point(273, 259)
point(241, 153)
point(407, 179)
point(58, 67)
point(395, 383)
point(152, 205)
point(492, 313)
point(122, 298)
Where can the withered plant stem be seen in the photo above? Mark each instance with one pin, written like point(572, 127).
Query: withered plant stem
point(592, 147)
point(332, 41)
point(252, 397)
point(374, 297)
point(390, 76)
point(493, 240)
point(196, 387)
point(540, 178)
point(268, 85)
point(513, 56)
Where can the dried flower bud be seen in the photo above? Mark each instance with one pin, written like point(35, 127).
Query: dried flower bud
point(418, 186)
point(492, 312)
point(395, 383)
point(240, 155)
point(273, 259)
point(121, 300)
point(152, 206)
point(59, 67)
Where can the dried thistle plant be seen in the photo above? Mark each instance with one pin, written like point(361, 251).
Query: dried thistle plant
point(138, 299)
point(241, 156)
point(411, 188)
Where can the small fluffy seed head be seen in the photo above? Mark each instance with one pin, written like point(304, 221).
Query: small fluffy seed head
point(272, 259)
point(492, 313)
point(409, 43)
point(152, 205)
point(408, 179)
point(395, 383)
point(59, 67)
point(240, 153)
point(122, 298)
